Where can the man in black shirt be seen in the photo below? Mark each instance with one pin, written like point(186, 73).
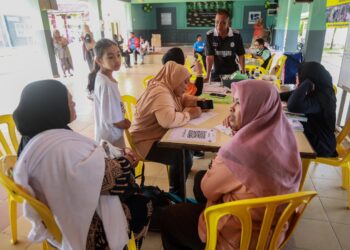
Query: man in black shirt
point(223, 46)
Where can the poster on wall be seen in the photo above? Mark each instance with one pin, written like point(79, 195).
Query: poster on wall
point(20, 30)
point(338, 13)
point(3, 35)
point(253, 16)
point(202, 14)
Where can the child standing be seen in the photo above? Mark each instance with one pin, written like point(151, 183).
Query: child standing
point(109, 109)
point(199, 48)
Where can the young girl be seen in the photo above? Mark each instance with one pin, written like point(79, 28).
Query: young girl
point(109, 109)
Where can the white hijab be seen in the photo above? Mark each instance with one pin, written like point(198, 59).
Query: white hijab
point(65, 170)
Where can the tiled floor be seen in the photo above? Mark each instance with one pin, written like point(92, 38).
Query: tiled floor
point(325, 224)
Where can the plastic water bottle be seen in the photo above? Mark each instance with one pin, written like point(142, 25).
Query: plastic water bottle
point(256, 73)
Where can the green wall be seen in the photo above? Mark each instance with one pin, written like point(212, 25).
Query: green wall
point(142, 20)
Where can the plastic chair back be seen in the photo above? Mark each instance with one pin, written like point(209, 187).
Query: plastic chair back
point(293, 207)
point(145, 81)
point(268, 66)
point(44, 212)
point(280, 64)
point(251, 68)
point(11, 129)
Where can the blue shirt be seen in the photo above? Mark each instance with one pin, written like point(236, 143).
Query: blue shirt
point(132, 45)
point(199, 46)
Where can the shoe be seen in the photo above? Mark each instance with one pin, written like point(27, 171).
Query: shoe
point(135, 63)
point(142, 63)
point(198, 154)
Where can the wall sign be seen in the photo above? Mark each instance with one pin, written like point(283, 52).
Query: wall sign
point(338, 13)
point(253, 16)
point(20, 30)
point(202, 14)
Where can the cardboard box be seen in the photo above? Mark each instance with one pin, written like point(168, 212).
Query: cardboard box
point(156, 40)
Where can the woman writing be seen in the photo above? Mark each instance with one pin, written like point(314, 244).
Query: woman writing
point(162, 106)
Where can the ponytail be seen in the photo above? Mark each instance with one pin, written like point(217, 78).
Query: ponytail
point(92, 78)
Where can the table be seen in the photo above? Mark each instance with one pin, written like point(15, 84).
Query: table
point(222, 110)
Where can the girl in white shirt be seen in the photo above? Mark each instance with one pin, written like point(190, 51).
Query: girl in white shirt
point(109, 109)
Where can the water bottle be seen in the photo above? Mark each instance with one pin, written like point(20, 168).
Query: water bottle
point(256, 73)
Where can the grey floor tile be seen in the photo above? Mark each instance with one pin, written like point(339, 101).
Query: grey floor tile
point(343, 234)
point(327, 188)
point(336, 210)
point(315, 235)
point(315, 211)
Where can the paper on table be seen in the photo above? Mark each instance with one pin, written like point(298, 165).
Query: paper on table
point(296, 125)
point(204, 117)
point(223, 129)
point(194, 134)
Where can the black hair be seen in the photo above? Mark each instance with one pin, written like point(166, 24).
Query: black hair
point(174, 54)
point(199, 35)
point(260, 41)
point(99, 49)
point(223, 12)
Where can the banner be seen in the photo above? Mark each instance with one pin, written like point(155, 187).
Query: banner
point(202, 14)
point(338, 13)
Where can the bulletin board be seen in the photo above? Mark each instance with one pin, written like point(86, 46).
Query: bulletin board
point(20, 30)
point(344, 75)
point(202, 14)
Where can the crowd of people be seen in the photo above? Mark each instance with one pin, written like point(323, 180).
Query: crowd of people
point(89, 184)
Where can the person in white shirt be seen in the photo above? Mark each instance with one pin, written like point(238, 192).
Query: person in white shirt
point(144, 49)
point(109, 109)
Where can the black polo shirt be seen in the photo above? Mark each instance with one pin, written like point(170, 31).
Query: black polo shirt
point(224, 51)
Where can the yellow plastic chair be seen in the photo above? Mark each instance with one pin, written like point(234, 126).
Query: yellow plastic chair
point(200, 59)
point(280, 64)
point(9, 148)
point(335, 89)
point(295, 205)
point(268, 66)
point(130, 102)
point(146, 80)
point(343, 159)
point(11, 129)
point(251, 69)
point(14, 190)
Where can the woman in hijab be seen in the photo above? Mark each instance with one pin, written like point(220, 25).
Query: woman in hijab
point(315, 98)
point(163, 105)
point(248, 166)
point(177, 55)
point(81, 182)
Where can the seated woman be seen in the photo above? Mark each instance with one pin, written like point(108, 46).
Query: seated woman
point(315, 97)
point(80, 182)
point(177, 55)
point(260, 160)
point(163, 105)
point(262, 52)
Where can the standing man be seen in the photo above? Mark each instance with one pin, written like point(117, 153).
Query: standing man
point(224, 45)
point(133, 45)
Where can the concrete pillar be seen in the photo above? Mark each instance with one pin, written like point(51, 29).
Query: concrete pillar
point(316, 31)
point(293, 22)
point(281, 21)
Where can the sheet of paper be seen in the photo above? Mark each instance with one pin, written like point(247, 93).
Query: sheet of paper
point(296, 125)
point(223, 129)
point(204, 117)
point(194, 134)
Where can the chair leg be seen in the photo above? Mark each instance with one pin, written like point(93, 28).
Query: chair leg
point(13, 219)
point(305, 168)
point(345, 177)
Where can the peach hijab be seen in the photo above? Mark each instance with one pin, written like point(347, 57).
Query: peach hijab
point(156, 96)
point(263, 154)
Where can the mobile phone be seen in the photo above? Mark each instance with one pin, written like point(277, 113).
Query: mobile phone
point(207, 104)
point(218, 95)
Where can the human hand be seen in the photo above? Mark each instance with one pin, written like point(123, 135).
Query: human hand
point(205, 80)
point(194, 112)
point(198, 67)
point(131, 156)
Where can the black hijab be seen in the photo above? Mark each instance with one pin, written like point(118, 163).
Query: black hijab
point(174, 54)
point(43, 106)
